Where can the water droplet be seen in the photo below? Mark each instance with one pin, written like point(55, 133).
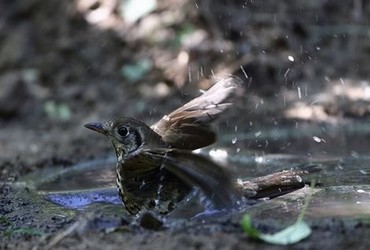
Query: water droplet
point(342, 81)
point(299, 178)
point(318, 140)
point(197, 151)
point(362, 171)
point(218, 153)
point(259, 159)
point(239, 181)
point(286, 73)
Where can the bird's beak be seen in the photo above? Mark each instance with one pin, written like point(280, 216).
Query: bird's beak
point(96, 126)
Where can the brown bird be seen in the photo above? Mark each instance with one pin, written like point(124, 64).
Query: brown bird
point(156, 168)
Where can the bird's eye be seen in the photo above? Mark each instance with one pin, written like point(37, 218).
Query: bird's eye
point(123, 131)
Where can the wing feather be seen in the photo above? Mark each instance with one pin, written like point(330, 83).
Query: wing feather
point(195, 170)
point(188, 126)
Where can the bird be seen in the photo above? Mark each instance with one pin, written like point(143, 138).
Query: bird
point(156, 166)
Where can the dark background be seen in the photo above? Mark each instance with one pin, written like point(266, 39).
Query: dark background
point(64, 63)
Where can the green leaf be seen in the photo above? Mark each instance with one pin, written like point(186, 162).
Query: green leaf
point(287, 236)
point(290, 235)
point(135, 72)
point(57, 111)
point(248, 228)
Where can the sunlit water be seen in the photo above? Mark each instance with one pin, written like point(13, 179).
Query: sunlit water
point(343, 185)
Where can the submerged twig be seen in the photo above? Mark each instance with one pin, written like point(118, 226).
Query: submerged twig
point(275, 184)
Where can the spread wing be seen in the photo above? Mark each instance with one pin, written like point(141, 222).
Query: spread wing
point(188, 126)
point(195, 170)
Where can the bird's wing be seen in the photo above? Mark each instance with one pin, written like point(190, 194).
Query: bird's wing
point(195, 170)
point(188, 126)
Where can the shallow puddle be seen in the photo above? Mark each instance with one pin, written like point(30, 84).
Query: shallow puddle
point(343, 184)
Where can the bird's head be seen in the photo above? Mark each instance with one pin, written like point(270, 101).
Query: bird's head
point(127, 134)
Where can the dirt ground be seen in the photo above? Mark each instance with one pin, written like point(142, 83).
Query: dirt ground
point(64, 63)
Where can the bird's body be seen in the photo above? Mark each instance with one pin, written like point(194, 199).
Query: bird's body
point(150, 186)
point(156, 168)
